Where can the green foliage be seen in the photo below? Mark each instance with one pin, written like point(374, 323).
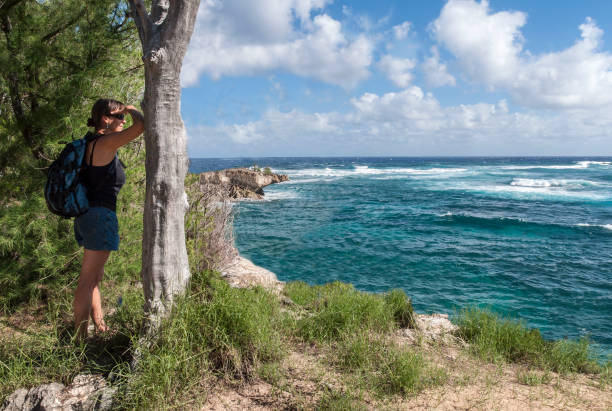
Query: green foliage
point(267, 171)
point(400, 305)
point(214, 328)
point(388, 368)
point(496, 339)
point(340, 401)
point(56, 59)
point(336, 309)
point(533, 378)
point(37, 251)
point(355, 323)
point(405, 372)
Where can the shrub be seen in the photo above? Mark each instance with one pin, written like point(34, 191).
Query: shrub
point(495, 339)
point(337, 309)
point(208, 225)
point(401, 307)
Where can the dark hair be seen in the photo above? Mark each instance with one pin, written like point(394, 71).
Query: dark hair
point(102, 107)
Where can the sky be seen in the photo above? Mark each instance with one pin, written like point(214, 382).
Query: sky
point(291, 78)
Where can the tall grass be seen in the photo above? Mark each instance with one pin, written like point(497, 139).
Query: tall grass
point(495, 339)
point(355, 326)
point(214, 329)
point(336, 309)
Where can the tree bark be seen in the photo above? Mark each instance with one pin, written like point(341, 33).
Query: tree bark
point(165, 34)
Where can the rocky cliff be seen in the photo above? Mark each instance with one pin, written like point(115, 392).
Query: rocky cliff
point(241, 182)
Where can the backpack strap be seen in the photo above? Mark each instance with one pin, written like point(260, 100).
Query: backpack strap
point(92, 151)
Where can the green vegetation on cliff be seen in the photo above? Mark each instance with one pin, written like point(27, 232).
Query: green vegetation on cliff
point(57, 59)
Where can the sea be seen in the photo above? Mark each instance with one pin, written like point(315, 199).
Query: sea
point(528, 237)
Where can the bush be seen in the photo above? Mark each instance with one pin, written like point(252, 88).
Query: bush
point(401, 307)
point(337, 309)
point(208, 225)
point(496, 339)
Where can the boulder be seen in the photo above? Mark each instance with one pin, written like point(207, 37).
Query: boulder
point(87, 392)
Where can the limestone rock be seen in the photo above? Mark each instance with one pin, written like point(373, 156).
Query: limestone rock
point(242, 182)
point(87, 392)
point(242, 273)
point(431, 328)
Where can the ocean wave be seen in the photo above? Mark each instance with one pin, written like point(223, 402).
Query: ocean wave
point(604, 226)
point(496, 222)
point(365, 170)
point(577, 165)
point(530, 182)
point(280, 195)
point(536, 192)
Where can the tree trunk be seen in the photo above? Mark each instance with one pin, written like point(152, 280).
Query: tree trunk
point(165, 34)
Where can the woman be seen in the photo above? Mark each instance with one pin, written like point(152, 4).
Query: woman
point(97, 230)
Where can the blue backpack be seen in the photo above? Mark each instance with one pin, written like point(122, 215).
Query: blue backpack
point(65, 190)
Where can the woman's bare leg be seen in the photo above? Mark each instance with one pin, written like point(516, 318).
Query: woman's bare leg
point(92, 271)
point(96, 310)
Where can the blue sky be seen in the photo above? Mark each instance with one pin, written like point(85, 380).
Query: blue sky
point(402, 78)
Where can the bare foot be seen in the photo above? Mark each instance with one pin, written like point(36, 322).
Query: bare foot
point(101, 328)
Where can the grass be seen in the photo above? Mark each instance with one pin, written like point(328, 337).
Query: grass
point(533, 378)
point(356, 325)
point(495, 339)
point(337, 309)
point(216, 331)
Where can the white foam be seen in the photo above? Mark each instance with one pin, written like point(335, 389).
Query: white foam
point(604, 226)
point(536, 192)
point(595, 163)
point(277, 195)
point(529, 182)
point(577, 165)
point(365, 170)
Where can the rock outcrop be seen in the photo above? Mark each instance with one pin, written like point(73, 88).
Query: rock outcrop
point(242, 273)
point(242, 182)
point(431, 328)
point(87, 392)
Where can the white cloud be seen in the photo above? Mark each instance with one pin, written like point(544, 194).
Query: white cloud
point(412, 122)
point(489, 47)
point(242, 37)
point(397, 69)
point(401, 30)
point(435, 71)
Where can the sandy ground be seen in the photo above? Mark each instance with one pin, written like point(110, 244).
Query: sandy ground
point(307, 378)
point(471, 386)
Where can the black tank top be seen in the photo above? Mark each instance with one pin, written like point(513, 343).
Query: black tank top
point(103, 182)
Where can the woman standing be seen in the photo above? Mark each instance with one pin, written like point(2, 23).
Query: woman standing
point(97, 230)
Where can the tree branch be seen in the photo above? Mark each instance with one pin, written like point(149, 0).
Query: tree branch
point(142, 20)
point(5, 6)
point(69, 23)
point(183, 14)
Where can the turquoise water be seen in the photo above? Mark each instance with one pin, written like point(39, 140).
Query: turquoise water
point(529, 237)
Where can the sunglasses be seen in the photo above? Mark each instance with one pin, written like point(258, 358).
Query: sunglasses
point(117, 116)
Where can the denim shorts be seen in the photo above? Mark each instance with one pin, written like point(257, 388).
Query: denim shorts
point(97, 229)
